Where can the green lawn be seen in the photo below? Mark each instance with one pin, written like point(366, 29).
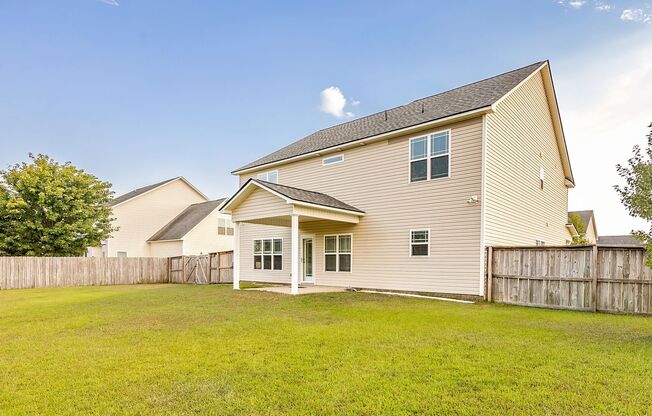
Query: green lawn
point(181, 349)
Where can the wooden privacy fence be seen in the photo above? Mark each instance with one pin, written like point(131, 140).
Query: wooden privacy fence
point(34, 272)
point(203, 269)
point(589, 278)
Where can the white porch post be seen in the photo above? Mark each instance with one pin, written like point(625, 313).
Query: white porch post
point(295, 254)
point(236, 255)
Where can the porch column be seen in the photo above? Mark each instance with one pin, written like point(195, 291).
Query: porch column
point(295, 254)
point(236, 255)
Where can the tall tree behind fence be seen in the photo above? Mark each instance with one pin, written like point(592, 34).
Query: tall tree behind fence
point(35, 272)
point(590, 278)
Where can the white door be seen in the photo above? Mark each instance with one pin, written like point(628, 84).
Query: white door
point(307, 260)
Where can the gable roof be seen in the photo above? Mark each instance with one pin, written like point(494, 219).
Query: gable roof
point(186, 221)
point(588, 218)
point(295, 195)
point(140, 191)
point(478, 95)
point(586, 215)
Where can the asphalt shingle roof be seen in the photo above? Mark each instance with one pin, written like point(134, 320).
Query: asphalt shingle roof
point(584, 215)
point(456, 101)
point(310, 197)
point(619, 241)
point(186, 221)
point(125, 197)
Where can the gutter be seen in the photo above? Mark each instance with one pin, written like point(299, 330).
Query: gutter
point(361, 142)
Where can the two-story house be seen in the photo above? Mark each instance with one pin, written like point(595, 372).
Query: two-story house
point(408, 198)
point(165, 219)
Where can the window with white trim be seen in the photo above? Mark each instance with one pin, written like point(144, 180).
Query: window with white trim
point(224, 226)
point(419, 243)
point(338, 253)
point(430, 156)
point(271, 176)
point(332, 160)
point(268, 254)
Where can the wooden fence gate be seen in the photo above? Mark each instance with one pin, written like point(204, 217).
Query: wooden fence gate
point(202, 269)
point(589, 278)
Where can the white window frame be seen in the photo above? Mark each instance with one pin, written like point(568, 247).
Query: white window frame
point(540, 242)
point(337, 253)
point(121, 254)
point(227, 227)
point(428, 157)
point(410, 243)
point(262, 254)
point(264, 176)
point(332, 160)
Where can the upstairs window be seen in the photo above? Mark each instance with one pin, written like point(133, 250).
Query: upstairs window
point(430, 156)
point(224, 226)
point(419, 243)
point(268, 254)
point(271, 176)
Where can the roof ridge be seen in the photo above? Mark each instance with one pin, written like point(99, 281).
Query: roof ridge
point(453, 102)
point(208, 202)
point(429, 96)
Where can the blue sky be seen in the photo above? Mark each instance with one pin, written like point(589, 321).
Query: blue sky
point(136, 91)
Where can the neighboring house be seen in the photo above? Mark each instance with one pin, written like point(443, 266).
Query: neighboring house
point(408, 198)
point(168, 218)
point(588, 218)
point(619, 241)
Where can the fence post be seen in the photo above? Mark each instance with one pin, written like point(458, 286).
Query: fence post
point(594, 272)
point(217, 267)
point(490, 253)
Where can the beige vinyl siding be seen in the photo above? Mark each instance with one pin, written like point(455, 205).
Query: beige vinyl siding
point(590, 232)
point(204, 237)
point(166, 248)
point(250, 232)
point(261, 203)
point(375, 178)
point(521, 140)
point(139, 218)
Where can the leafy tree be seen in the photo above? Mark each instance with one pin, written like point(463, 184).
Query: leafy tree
point(52, 209)
point(580, 226)
point(636, 194)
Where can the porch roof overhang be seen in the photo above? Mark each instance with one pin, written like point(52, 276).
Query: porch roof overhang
point(307, 205)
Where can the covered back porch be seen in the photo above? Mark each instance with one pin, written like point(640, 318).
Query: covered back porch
point(277, 209)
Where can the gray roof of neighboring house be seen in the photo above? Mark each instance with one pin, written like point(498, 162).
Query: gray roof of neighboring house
point(584, 215)
point(125, 197)
point(456, 101)
point(619, 241)
point(310, 197)
point(186, 221)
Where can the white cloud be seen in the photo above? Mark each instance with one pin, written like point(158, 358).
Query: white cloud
point(603, 7)
point(354, 102)
point(333, 102)
point(110, 2)
point(576, 4)
point(605, 105)
point(636, 15)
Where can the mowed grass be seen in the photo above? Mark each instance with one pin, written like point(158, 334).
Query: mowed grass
point(182, 349)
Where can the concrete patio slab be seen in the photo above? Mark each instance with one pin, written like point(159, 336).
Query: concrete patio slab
point(303, 290)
